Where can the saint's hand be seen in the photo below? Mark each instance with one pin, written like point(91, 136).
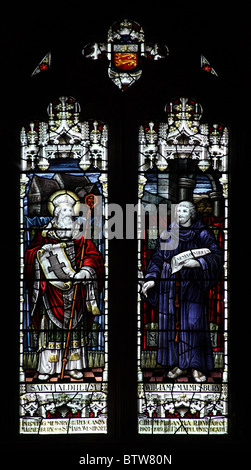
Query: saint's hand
point(147, 285)
point(82, 276)
point(191, 263)
point(48, 246)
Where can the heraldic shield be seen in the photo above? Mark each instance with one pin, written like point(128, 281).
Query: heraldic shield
point(56, 265)
point(125, 49)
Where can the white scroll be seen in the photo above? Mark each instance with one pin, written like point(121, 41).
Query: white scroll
point(179, 260)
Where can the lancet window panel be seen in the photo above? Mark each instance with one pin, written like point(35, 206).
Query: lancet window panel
point(63, 274)
point(183, 274)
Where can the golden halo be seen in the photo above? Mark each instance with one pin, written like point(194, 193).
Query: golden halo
point(51, 205)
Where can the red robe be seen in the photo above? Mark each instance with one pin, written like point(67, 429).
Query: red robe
point(92, 258)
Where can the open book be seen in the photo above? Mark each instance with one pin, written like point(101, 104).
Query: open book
point(178, 261)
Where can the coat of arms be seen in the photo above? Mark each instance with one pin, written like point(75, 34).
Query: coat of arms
point(124, 49)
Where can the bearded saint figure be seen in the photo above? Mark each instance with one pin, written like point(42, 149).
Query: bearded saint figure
point(55, 262)
point(181, 296)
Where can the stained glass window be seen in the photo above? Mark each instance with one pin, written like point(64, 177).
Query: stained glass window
point(134, 375)
point(125, 49)
point(183, 273)
point(206, 66)
point(64, 273)
point(44, 64)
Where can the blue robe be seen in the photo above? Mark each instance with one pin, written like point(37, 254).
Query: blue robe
point(193, 350)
